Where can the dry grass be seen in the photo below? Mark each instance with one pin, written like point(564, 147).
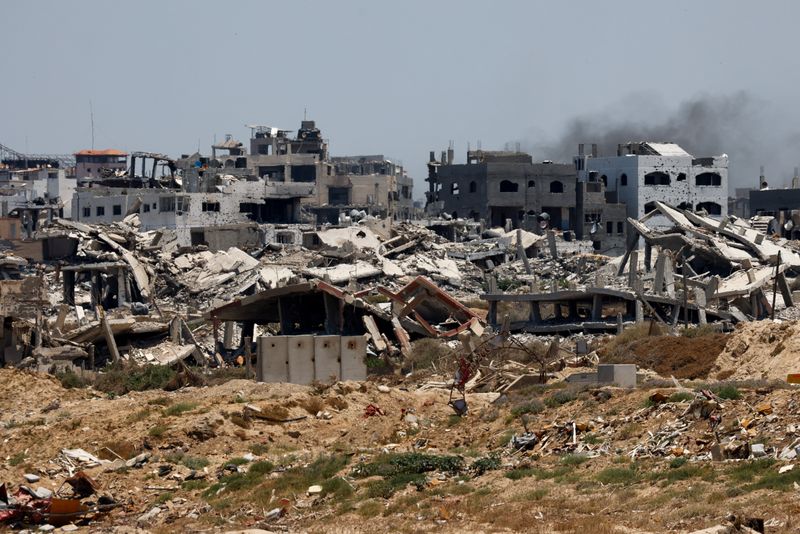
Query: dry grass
point(313, 405)
point(337, 403)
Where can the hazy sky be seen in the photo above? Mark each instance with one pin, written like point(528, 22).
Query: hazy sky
point(398, 78)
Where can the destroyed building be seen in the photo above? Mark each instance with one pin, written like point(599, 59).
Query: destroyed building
point(774, 211)
point(214, 201)
point(643, 173)
point(499, 185)
point(93, 162)
point(373, 184)
point(508, 186)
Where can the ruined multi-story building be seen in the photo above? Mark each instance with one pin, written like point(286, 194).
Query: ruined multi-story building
point(372, 183)
point(496, 186)
point(96, 163)
point(645, 172)
point(500, 187)
point(223, 198)
point(204, 200)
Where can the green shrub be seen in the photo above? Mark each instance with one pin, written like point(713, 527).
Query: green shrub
point(681, 396)
point(70, 380)
point(179, 408)
point(487, 463)
point(191, 485)
point(157, 431)
point(574, 459)
point(192, 462)
point(338, 487)
point(532, 406)
point(617, 475)
point(727, 391)
point(408, 463)
point(119, 379)
point(560, 397)
point(677, 462)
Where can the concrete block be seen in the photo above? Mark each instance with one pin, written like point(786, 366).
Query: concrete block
point(353, 351)
point(301, 359)
point(273, 356)
point(621, 374)
point(326, 358)
point(582, 378)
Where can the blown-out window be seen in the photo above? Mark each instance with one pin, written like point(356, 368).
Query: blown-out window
point(507, 186)
point(656, 178)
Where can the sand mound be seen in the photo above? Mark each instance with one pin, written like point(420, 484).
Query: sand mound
point(20, 389)
point(678, 356)
point(760, 349)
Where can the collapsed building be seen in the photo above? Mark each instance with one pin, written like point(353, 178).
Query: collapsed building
point(692, 270)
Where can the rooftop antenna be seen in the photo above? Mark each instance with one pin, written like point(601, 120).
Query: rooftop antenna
point(91, 119)
point(304, 113)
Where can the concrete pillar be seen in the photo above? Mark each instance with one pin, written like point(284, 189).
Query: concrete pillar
point(491, 316)
point(633, 268)
point(227, 339)
point(669, 276)
point(273, 359)
point(597, 307)
point(333, 314)
point(786, 292)
point(353, 350)
point(326, 358)
point(122, 286)
point(658, 281)
point(648, 255)
point(551, 242)
point(69, 287)
point(700, 300)
point(534, 315)
point(301, 359)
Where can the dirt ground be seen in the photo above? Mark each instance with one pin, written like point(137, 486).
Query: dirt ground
point(678, 356)
point(761, 349)
point(198, 439)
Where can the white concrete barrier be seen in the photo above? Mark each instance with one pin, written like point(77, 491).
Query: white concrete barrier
point(303, 359)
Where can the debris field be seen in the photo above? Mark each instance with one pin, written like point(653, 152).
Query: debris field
point(383, 377)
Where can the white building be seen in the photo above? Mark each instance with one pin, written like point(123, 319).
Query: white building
point(46, 186)
point(644, 172)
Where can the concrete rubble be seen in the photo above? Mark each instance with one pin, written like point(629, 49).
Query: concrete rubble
point(386, 321)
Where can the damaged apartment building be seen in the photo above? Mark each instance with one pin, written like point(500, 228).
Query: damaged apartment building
point(643, 173)
point(33, 189)
point(216, 201)
point(507, 188)
point(232, 196)
point(372, 184)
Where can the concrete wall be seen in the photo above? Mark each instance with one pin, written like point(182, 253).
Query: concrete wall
point(306, 358)
point(192, 216)
point(680, 192)
point(474, 190)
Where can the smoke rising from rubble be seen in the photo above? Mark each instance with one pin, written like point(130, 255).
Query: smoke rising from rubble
point(746, 128)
